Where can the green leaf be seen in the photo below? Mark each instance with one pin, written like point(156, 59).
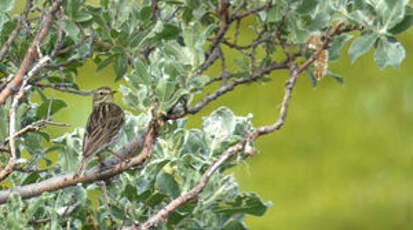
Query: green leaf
point(180, 213)
point(71, 30)
point(274, 14)
point(164, 91)
point(3, 123)
point(337, 43)
point(155, 199)
point(194, 141)
point(389, 51)
point(57, 105)
point(45, 135)
point(130, 192)
point(187, 15)
point(31, 178)
point(234, 224)
point(82, 17)
point(392, 13)
point(3, 20)
point(14, 213)
point(38, 203)
point(169, 31)
point(118, 212)
point(140, 74)
point(220, 125)
point(136, 99)
point(121, 66)
point(312, 78)
point(320, 21)
point(247, 203)
point(336, 77)
point(361, 45)
point(307, 7)
point(6, 5)
point(176, 96)
point(168, 185)
point(405, 23)
point(361, 17)
point(70, 145)
point(105, 62)
point(33, 143)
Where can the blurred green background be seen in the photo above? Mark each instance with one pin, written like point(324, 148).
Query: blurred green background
point(343, 160)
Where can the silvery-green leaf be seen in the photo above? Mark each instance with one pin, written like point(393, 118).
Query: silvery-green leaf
point(389, 51)
point(6, 5)
point(392, 12)
point(168, 185)
point(405, 23)
point(220, 125)
point(361, 45)
point(336, 44)
point(71, 30)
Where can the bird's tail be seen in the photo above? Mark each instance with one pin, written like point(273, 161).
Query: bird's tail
point(82, 167)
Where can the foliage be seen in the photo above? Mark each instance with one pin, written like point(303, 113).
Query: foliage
point(162, 49)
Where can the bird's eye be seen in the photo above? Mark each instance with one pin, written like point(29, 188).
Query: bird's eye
point(101, 93)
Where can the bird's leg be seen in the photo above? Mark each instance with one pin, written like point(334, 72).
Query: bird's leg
point(101, 161)
point(121, 158)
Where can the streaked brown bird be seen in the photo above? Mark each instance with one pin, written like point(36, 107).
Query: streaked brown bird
point(103, 127)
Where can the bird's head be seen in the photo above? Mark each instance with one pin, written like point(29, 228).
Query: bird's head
point(103, 94)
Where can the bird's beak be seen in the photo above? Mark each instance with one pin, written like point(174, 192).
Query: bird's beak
point(113, 92)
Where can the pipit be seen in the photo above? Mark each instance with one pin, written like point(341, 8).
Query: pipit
point(103, 127)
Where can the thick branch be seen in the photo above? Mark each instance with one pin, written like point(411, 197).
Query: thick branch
point(113, 168)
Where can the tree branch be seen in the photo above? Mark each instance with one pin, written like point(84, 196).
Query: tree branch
point(31, 53)
point(22, 20)
point(64, 88)
point(34, 127)
point(112, 168)
point(11, 162)
point(244, 144)
point(180, 112)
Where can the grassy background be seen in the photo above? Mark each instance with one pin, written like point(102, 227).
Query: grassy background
point(343, 160)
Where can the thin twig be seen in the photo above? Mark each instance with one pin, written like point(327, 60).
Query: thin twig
point(59, 24)
point(73, 59)
point(64, 88)
point(5, 149)
point(179, 112)
point(35, 127)
point(39, 221)
point(252, 11)
point(106, 199)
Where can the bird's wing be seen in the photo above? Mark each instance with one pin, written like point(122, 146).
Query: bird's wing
point(103, 124)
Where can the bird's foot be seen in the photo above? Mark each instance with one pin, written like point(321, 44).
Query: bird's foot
point(121, 158)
